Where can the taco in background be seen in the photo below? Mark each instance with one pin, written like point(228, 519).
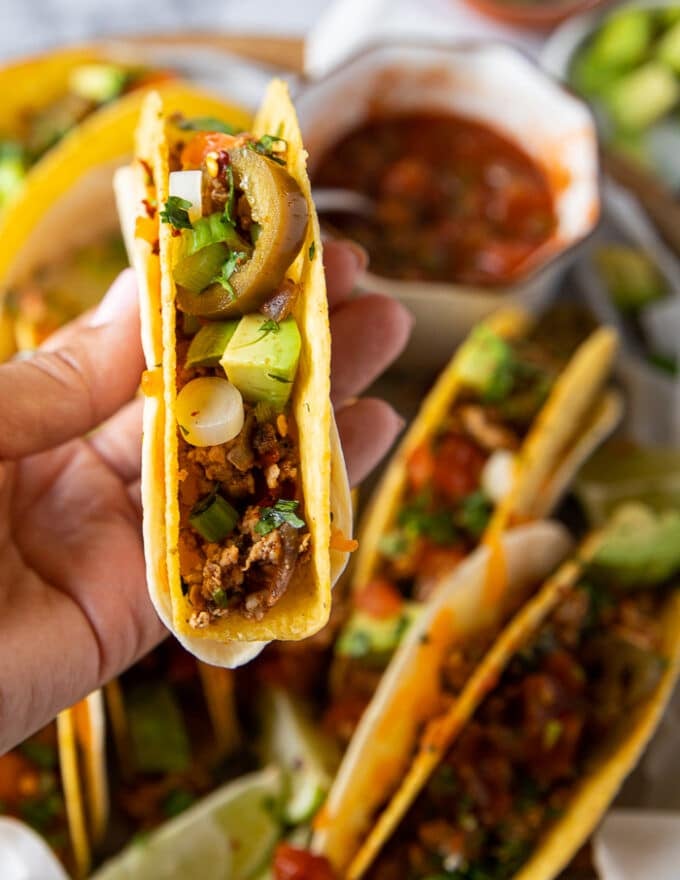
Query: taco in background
point(245, 495)
point(495, 443)
point(447, 637)
point(46, 97)
point(513, 776)
point(61, 236)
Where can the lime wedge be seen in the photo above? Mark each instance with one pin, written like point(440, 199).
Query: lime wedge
point(307, 758)
point(228, 835)
point(617, 474)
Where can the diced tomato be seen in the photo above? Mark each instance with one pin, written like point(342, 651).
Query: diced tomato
point(420, 467)
point(300, 864)
point(379, 598)
point(457, 467)
point(203, 143)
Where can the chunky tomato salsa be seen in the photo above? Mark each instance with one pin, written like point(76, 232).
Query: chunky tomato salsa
point(454, 199)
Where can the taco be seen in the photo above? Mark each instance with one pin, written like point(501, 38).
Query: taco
point(495, 443)
point(62, 241)
point(511, 777)
point(46, 97)
point(246, 503)
point(56, 782)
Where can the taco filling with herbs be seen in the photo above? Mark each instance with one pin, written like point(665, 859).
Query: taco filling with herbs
point(243, 484)
point(565, 697)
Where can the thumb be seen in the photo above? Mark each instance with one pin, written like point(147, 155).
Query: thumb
point(72, 385)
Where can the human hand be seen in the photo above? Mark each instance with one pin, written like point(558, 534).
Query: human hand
point(75, 610)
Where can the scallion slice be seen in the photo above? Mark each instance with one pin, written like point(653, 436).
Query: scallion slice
point(213, 518)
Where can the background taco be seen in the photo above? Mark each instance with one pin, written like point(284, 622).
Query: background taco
point(236, 582)
point(513, 778)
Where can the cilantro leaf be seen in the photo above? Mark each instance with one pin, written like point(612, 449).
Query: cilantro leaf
point(270, 146)
point(207, 123)
point(312, 250)
point(474, 513)
point(270, 326)
point(273, 517)
point(228, 216)
point(228, 269)
point(176, 213)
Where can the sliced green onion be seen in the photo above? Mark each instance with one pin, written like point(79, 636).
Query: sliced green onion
point(197, 271)
point(207, 346)
point(213, 518)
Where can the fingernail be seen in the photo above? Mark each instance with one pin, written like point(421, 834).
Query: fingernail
point(121, 296)
point(359, 253)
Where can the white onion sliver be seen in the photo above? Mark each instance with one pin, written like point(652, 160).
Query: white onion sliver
point(498, 474)
point(209, 411)
point(188, 185)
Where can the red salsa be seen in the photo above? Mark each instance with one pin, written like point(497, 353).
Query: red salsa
point(454, 199)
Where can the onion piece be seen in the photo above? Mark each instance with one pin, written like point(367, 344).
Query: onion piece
point(498, 474)
point(209, 411)
point(188, 185)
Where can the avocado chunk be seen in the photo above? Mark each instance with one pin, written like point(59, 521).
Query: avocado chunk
point(158, 735)
point(668, 48)
point(623, 40)
point(261, 359)
point(639, 547)
point(98, 82)
point(12, 170)
point(631, 278)
point(485, 363)
point(366, 636)
point(644, 96)
point(209, 343)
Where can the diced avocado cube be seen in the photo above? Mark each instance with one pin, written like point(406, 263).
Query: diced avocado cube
point(12, 170)
point(668, 48)
point(209, 344)
point(668, 16)
point(485, 363)
point(640, 547)
point(261, 359)
point(589, 76)
point(631, 277)
point(378, 637)
point(98, 82)
point(644, 96)
point(624, 39)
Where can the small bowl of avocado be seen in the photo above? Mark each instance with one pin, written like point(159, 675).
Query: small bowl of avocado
point(626, 63)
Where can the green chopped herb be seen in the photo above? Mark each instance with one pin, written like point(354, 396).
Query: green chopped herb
point(312, 250)
point(393, 544)
point(270, 326)
point(184, 430)
point(417, 521)
point(40, 813)
point(281, 379)
point(228, 269)
point(273, 517)
point(221, 598)
point(207, 123)
point(176, 802)
point(474, 514)
point(176, 213)
point(41, 754)
point(213, 518)
point(269, 145)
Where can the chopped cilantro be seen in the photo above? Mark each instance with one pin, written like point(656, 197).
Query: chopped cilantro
point(41, 754)
point(176, 802)
point(312, 250)
point(281, 379)
point(474, 513)
point(228, 216)
point(207, 123)
point(269, 145)
point(228, 269)
point(270, 326)
point(273, 517)
point(176, 213)
point(417, 521)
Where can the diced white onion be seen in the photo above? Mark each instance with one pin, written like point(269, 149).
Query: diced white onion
point(498, 474)
point(188, 185)
point(209, 411)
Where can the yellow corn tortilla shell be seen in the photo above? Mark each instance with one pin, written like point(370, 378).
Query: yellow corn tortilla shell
point(597, 788)
point(409, 692)
point(305, 607)
point(571, 422)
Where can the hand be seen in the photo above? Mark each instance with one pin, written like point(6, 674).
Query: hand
point(73, 602)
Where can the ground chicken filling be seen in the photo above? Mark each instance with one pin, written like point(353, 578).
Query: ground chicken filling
point(561, 701)
point(255, 476)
